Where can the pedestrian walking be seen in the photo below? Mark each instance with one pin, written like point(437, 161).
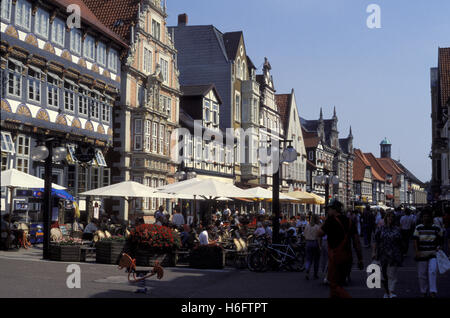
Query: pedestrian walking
point(406, 228)
point(340, 231)
point(428, 237)
point(368, 222)
point(387, 249)
point(313, 246)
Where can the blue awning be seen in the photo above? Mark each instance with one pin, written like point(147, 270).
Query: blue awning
point(58, 193)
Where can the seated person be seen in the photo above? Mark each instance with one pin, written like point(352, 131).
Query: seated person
point(203, 237)
point(260, 231)
point(90, 229)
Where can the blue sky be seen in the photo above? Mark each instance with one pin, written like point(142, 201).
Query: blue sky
point(378, 79)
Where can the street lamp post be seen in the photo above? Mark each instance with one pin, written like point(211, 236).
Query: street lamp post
point(327, 180)
point(289, 155)
point(49, 154)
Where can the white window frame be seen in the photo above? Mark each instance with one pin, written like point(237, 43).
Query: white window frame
point(14, 76)
point(53, 89)
point(156, 29)
point(6, 10)
point(164, 69)
point(75, 41)
point(58, 32)
point(7, 144)
point(148, 61)
point(161, 139)
point(100, 158)
point(237, 106)
point(24, 155)
point(138, 142)
point(69, 97)
point(34, 83)
point(154, 137)
point(112, 60)
point(22, 21)
point(83, 101)
point(101, 54)
point(89, 48)
point(42, 23)
point(207, 107)
point(138, 134)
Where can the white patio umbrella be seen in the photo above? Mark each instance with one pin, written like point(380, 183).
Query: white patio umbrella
point(128, 189)
point(207, 188)
point(262, 194)
point(18, 179)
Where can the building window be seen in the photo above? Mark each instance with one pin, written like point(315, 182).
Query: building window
point(138, 134)
point(15, 78)
point(23, 14)
point(34, 84)
point(69, 95)
point(167, 136)
point(53, 84)
point(41, 23)
point(95, 178)
point(106, 177)
point(89, 48)
point(83, 101)
point(75, 41)
point(215, 114)
point(106, 111)
point(161, 139)
point(95, 105)
point(169, 108)
point(165, 70)
point(207, 111)
point(101, 54)
point(58, 32)
point(112, 57)
point(23, 153)
point(147, 135)
point(147, 60)
point(82, 184)
point(237, 115)
point(7, 143)
point(156, 30)
point(155, 137)
point(6, 10)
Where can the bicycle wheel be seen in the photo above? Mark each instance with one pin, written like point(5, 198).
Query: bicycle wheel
point(256, 261)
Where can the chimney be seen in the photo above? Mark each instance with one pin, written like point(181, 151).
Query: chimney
point(182, 19)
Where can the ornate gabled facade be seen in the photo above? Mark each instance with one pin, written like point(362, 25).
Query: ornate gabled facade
point(293, 175)
point(206, 55)
point(271, 128)
point(149, 107)
point(58, 81)
point(338, 155)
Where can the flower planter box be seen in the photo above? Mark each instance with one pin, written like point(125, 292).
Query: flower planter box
point(207, 257)
point(109, 252)
point(149, 258)
point(65, 253)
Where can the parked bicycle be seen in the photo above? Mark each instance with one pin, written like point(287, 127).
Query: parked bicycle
point(266, 255)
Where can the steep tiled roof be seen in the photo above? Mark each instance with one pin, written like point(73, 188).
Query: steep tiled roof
point(359, 166)
point(409, 174)
point(92, 18)
point(231, 41)
point(118, 15)
point(309, 125)
point(444, 75)
point(376, 165)
point(391, 167)
point(311, 142)
point(283, 102)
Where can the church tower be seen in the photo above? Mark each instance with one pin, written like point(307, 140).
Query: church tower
point(385, 148)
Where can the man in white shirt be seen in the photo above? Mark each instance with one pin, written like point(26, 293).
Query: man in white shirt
point(226, 213)
point(203, 237)
point(262, 211)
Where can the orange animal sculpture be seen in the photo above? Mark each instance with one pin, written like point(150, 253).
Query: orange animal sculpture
point(130, 264)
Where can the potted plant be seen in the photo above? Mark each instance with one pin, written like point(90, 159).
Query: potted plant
point(150, 243)
point(108, 250)
point(207, 257)
point(65, 249)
